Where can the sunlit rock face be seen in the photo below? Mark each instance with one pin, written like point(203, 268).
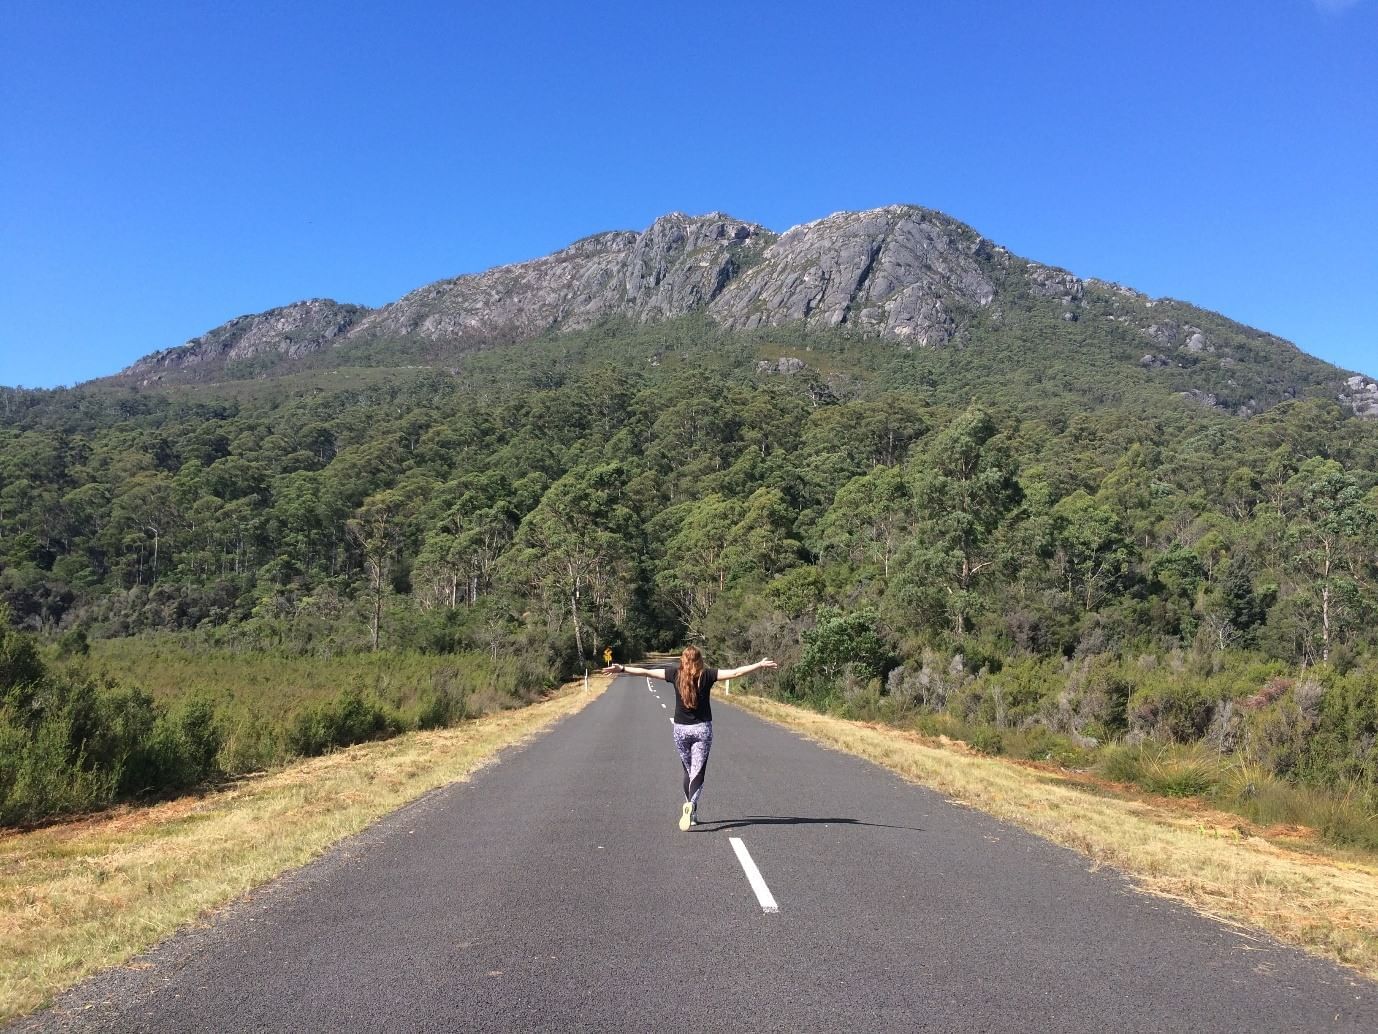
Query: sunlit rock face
point(901, 272)
point(677, 265)
point(288, 332)
point(1361, 394)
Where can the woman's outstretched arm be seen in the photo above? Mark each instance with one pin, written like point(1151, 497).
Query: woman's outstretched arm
point(631, 669)
point(764, 664)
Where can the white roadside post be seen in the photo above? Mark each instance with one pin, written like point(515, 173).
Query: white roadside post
point(586, 680)
point(729, 687)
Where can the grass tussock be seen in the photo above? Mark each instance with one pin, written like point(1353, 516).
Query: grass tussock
point(1303, 894)
point(85, 895)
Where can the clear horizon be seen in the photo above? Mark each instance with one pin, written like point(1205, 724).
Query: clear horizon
point(172, 168)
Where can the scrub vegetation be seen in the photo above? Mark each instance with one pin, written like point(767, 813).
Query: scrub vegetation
point(140, 719)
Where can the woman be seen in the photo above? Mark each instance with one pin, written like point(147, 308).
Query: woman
point(693, 715)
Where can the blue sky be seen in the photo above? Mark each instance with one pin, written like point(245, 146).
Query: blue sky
point(167, 166)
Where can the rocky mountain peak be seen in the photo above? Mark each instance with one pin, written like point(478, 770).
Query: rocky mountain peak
point(289, 331)
point(900, 271)
point(678, 264)
point(609, 241)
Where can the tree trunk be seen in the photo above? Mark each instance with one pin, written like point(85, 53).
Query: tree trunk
point(1325, 605)
point(1325, 623)
point(376, 622)
point(578, 633)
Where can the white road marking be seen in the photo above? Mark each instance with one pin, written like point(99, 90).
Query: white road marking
point(753, 876)
point(666, 708)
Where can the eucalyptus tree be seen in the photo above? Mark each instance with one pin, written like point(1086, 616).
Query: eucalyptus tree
point(693, 570)
point(965, 489)
point(579, 550)
point(1091, 551)
point(461, 548)
point(869, 519)
point(1331, 536)
point(377, 531)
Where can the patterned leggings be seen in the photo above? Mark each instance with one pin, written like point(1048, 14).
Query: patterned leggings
point(693, 743)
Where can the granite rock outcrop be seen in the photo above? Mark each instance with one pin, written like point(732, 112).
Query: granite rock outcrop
point(288, 332)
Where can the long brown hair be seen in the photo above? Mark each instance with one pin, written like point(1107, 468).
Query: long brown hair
point(687, 682)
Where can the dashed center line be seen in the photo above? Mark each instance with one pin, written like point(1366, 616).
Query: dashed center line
point(754, 877)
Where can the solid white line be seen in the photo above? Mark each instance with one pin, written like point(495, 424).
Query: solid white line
point(753, 876)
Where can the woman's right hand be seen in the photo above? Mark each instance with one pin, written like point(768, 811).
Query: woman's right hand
point(613, 669)
point(766, 664)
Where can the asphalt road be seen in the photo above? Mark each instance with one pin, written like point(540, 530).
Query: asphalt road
point(555, 891)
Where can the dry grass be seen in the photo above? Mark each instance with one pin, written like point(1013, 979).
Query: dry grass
point(85, 895)
point(1208, 860)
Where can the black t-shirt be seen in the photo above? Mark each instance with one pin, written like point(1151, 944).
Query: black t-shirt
point(704, 711)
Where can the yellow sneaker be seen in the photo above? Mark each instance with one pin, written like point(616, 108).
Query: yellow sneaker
point(685, 816)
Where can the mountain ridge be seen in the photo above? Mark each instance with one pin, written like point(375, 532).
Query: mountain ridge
point(902, 274)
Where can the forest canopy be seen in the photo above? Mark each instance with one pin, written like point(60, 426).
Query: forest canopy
point(925, 523)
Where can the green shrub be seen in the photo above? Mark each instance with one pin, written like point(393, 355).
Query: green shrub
point(1184, 779)
point(1094, 700)
point(73, 643)
point(1016, 692)
point(1180, 713)
point(183, 750)
point(842, 646)
point(251, 743)
point(70, 750)
point(1343, 750)
point(351, 718)
point(1120, 764)
point(70, 742)
point(1348, 819)
point(1039, 744)
point(986, 741)
point(311, 733)
point(1276, 735)
point(437, 709)
point(40, 778)
point(21, 669)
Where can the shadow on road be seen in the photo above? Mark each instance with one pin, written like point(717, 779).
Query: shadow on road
point(710, 826)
